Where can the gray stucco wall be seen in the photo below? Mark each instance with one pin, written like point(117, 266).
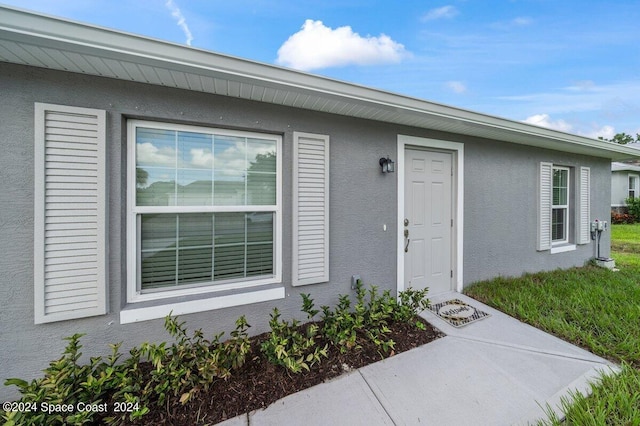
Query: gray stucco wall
point(501, 210)
point(500, 200)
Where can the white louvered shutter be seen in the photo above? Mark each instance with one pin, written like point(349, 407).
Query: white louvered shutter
point(545, 190)
point(584, 206)
point(310, 208)
point(69, 213)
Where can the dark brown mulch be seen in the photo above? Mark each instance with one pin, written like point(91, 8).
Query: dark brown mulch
point(259, 383)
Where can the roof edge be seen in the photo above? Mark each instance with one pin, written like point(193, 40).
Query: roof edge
point(60, 30)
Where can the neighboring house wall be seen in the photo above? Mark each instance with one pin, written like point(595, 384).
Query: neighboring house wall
point(500, 206)
point(620, 186)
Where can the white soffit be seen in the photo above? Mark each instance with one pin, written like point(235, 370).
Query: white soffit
point(42, 41)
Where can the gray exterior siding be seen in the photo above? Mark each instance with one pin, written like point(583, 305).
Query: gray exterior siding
point(500, 206)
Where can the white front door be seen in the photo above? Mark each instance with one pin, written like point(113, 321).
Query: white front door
point(428, 220)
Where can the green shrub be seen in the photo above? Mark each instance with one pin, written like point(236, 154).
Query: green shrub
point(371, 316)
point(190, 365)
point(633, 204)
point(66, 383)
point(182, 368)
point(340, 325)
point(412, 303)
point(291, 345)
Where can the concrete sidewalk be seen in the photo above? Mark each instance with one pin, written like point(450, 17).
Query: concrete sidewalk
point(496, 371)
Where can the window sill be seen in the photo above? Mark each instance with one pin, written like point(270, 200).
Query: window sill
point(179, 306)
point(562, 248)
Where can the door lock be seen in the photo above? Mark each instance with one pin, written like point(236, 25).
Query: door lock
point(406, 222)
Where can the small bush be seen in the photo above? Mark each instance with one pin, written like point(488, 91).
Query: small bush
point(194, 362)
point(633, 204)
point(291, 345)
point(370, 317)
point(66, 382)
point(182, 368)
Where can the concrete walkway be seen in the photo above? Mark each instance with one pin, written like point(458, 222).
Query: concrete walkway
point(496, 371)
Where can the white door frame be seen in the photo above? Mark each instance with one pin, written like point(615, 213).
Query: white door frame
point(457, 149)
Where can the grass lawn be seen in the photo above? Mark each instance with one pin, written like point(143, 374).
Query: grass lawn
point(594, 308)
point(625, 244)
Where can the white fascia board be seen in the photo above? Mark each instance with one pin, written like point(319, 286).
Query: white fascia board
point(20, 25)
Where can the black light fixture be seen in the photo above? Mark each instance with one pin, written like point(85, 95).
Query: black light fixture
point(387, 164)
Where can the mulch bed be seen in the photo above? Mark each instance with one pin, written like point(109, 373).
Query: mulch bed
point(259, 383)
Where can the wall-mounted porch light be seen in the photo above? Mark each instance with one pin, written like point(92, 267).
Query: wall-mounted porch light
point(387, 164)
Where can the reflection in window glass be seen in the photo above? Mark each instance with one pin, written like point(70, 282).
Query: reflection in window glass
point(560, 188)
point(196, 225)
point(195, 169)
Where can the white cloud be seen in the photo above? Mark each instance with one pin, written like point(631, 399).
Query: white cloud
point(232, 158)
point(594, 131)
point(439, 13)
point(544, 120)
point(606, 132)
point(456, 86)
point(518, 22)
point(180, 19)
point(148, 153)
point(317, 46)
point(201, 157)
point(521, 21)
point(582, 85)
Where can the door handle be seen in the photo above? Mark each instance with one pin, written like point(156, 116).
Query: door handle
point(406, 235)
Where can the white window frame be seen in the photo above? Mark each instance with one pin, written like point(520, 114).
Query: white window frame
point(134, 295)
point(566, 207)
point(636, 179)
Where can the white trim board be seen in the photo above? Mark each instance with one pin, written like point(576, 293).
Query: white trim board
point(132, 315)
point(458, 208)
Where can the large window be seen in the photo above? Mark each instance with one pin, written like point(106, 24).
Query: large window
point(560, 207)
point(204, 209)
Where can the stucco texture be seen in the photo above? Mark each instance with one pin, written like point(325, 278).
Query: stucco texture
point(499, 211)
point(501, 204)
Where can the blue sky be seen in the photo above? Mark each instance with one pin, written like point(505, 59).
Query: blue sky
point(565, 64)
